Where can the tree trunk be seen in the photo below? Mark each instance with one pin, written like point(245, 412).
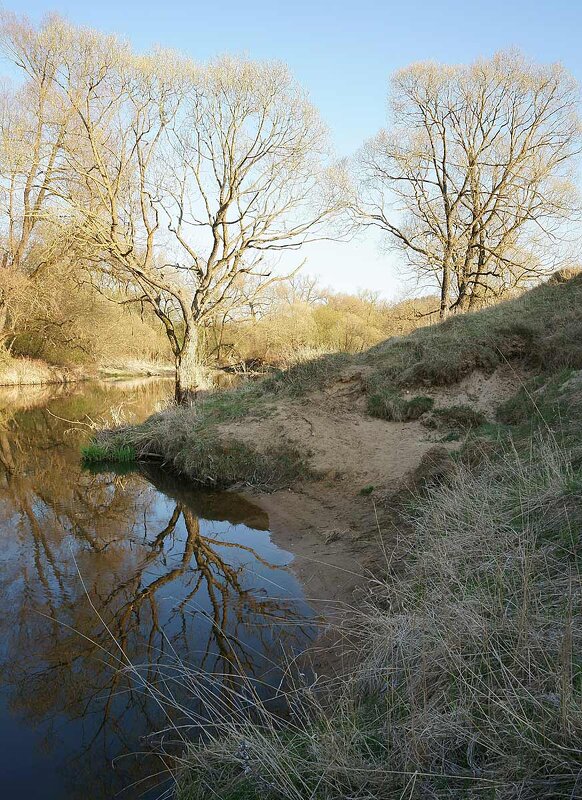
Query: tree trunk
point(445, 290)
point(3, 321)
point(191, 375)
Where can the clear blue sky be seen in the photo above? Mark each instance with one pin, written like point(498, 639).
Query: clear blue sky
point(343, 53)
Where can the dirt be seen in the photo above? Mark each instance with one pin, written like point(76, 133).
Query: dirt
point(341, 439)
point(482, 392)
point(337, 526)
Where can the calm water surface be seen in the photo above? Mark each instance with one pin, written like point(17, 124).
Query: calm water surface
point(99, 570)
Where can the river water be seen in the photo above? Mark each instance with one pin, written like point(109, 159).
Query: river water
point(113, 586)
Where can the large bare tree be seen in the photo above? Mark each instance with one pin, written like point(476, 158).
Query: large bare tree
point(474, 173)
point(180, 179)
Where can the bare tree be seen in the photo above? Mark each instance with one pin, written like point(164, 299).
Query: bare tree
point(32, 133)
point(180, 178)
point(474, 173)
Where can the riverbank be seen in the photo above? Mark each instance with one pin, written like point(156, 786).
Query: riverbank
point(24, 371)
point(451, 460)
point(33, 372)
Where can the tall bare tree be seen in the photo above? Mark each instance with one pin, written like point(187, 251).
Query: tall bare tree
point(474, 172)
point(179, 179)
point(32, 135)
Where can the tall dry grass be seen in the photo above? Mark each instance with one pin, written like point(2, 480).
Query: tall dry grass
point(30, 371)
point(468, 671)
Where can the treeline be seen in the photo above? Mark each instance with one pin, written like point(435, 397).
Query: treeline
point(60, 318)
point(57, 316)
point(300, 320)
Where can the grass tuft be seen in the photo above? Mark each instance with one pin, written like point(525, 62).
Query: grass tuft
point(456, 419)
point(385, 403)
point(95, 453)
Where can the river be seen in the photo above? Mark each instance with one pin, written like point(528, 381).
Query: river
point(117, 591)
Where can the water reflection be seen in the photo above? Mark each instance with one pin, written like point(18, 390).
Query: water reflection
point(103, 570)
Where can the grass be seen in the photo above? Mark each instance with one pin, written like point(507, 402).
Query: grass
point(542, 328)
point(307, 375)
point(459, 418)
point(95, 453)
point(135, 368)
point(385, 403)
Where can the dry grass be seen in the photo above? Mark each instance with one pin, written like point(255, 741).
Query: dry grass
point(29, 371)
point(135, 367)
point(385, 403)
point(468, 680)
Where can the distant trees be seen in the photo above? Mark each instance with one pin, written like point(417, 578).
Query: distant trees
point(305, 320)
point(176, 179)
point(474, 172)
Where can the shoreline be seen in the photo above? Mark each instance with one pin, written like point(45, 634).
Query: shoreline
point(328, 561)
point(23, 372)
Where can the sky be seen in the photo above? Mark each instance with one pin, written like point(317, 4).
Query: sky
point(343, 53)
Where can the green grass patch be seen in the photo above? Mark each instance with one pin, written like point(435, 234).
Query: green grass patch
point(97, 453)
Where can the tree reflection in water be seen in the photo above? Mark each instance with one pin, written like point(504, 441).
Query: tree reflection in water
point(104, 570)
